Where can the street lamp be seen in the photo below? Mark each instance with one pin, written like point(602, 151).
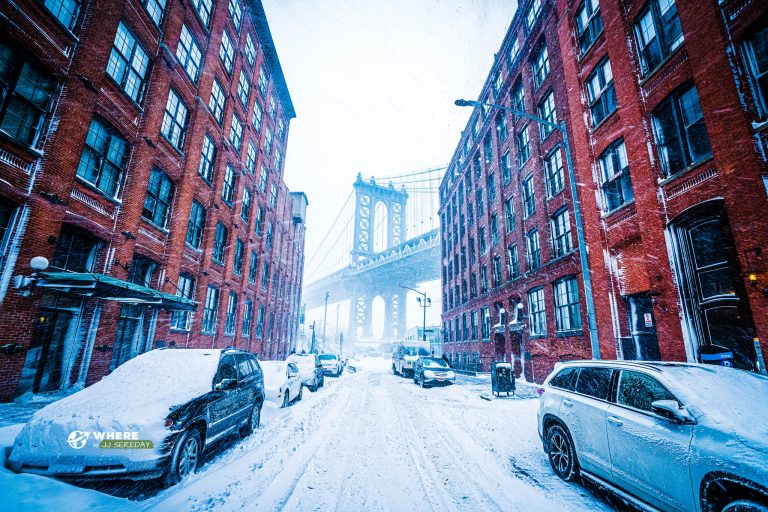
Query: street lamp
point(586, 279)
point(425, 303)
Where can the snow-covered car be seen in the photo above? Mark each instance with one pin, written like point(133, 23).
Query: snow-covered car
point(432, 370)
point(405, 356)
point(282, 384)
point(152, 416)
point(310, 370)
point(674, 436)
point(331, 364)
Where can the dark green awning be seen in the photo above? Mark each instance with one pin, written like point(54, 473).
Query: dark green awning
point(109, 288)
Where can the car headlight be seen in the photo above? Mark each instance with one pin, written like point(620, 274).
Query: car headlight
point(429, 374)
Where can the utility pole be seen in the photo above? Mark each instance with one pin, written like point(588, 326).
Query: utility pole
point(336, 336)
point(325, 314)
point(312, 346)
point(341, 343)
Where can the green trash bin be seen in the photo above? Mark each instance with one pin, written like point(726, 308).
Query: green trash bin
point(502, 379)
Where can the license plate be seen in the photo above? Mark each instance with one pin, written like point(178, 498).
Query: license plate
point(68, 464)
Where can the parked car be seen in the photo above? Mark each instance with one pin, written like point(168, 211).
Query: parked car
point(331, 364)
point(432, 370)
point(310, 370)
point(163, 407)
point(674, 436)
point(282, 384)
point(404, 356)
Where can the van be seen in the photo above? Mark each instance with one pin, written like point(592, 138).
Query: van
point(404, 356)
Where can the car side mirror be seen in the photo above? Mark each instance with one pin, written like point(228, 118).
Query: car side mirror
point(673, 411)
point(292, 373)
point(226, 384)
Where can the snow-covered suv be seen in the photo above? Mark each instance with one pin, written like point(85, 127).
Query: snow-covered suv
point(331, 364)
point(674, 436)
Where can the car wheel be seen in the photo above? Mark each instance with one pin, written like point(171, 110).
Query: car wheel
point(253, 423)
point(562, 455)
point(286, 399)
point(394, 370)
point(421, 382)
point(322, 383)
point(185, 458)
point(744, 506)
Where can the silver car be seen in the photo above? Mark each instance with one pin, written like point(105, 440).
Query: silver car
point(668, 436)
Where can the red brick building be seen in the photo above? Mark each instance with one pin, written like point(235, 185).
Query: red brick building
point(665, 102)
point(509, 244)
point(141, 154)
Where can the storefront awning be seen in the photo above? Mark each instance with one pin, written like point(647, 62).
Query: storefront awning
point(108, 288)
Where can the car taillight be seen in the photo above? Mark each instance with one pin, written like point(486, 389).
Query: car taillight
point(540, 390)
point(168, 423)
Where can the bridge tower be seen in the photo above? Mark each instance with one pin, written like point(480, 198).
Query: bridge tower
point(368, 195)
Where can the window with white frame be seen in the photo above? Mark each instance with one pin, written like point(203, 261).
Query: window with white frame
point(210, 310)
point(497, 278)
point(514, 50)
point(532, 14)
point(243, 89)
point(204, 8)
point(529, 199)
point(257, 115)
point(553, 172)
point(259, 221)
point(231, 319)
point(272, 107)
point(220, 244)
point(560, 226)
point(157, 202)
point(250, 50)
point(537, 315)
point(189, 54)
point(506, 167)
point(217, 101)
point(237, 261)
point(513, 265)
point(532, 250)
point(128, 63)
point(589, 24)
point(250, 158)
point(263, 80)
point(509, 214)
point(104, 157)
point(263, 178)
point(501, 127)
point(236, 133)
point(196, 225)
point(273, 196)
point(174, 124)
point(185, 287)
point(615, 180)
point(228, 187)
point(207, 159)
point(657, 33)
point(268, 141)
point(522, 141)
point(518, 96)
point(236, 13)
point(65, 11)
point(540, 65)
point(155, 9)
point(253, 267)
point(227, 52)
point(567, 312)
point(247, 312)
point(756, 51)
point(600, 92)
point(245, 206)
point(548, 113)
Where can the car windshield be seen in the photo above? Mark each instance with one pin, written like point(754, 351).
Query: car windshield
point(435, 363)
point(416, 351)
point(328, 357)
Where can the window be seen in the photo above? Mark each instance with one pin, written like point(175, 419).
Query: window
point(566, 379)
point(474, 321)
point(268, 142)
point(681, 136)
point(259, 220)
point(243, 89)
point(658, 33)
point(157, 204)
point(141, 271)
point(567, 313)
point(529, 201)
point(523, 148)
point(236, 13)
point(532, 250)
point(250, 50)
point(490, 183)
point(104, 157)
point(756, 50)
point(513, 266)
point(281, 130)
point(196, 225)
point(553, 171)
point(537, 315)
point(471, 250)
point(473, 285)
point(589, 24)
point(236, 133)
point(76, 251)
point(509, 215)
point(257, 115)
point(278, 161)
point(64, 10)
point(615, 180)
point(227, 52)
point(260, 322)
point(518, 97)
point(231, 319)
point(547, 112)
point(25, 96)
point(496, 271)
point(501, 127)
point(174, 120)
point(494, 229)
point(253, 267)
point(189, 54)
point(262, 81)
point(594, 382)
point(540, 66)
point(560, 225)
point(532, 14)
point(250, 158)
point(479, 202)
point(247, 312)
point(228, 187)
point(483, 279)
point(481, 237)
point(185, 288)
point(237, 264)
point(217, 101)
point(514, 50)
point(506, 167)
point(265, 277)
point(211, 310)
point(269, 236)
point(486, 325)
point(220, 243)
point(204, 9)
point(639, 391)
point(272, 107)
point(600, 91)
point(207, 159)
point(273, 196)
point(498, 82)
point(245, 207)
point(128, 63)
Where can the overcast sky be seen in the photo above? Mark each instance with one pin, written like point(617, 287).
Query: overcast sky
point(373, 83)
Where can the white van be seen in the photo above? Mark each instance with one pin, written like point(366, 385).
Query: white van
point(404, 356)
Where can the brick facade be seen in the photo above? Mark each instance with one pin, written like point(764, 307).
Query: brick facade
point(48, 199)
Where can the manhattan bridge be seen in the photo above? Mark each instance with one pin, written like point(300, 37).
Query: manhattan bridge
point(384, 240)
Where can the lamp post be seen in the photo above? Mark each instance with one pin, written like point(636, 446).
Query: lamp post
point(325, 315)
point(424, 302)
point(586, 279)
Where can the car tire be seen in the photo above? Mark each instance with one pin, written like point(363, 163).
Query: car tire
point(561, 453)
point(286, 399)
point(322, 383)
point(253, 422)
point(394, 370)
point(185, 457)
point(421, 382)
point(744, 506)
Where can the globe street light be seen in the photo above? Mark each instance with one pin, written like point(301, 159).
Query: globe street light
point(583, 257)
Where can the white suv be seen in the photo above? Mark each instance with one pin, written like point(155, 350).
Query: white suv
point(331, 364)
point(673, 436)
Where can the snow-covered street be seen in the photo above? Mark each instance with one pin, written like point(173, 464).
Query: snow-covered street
point(366, 441)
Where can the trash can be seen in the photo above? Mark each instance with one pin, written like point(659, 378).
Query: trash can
point(715, 354)
point(502, 378)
